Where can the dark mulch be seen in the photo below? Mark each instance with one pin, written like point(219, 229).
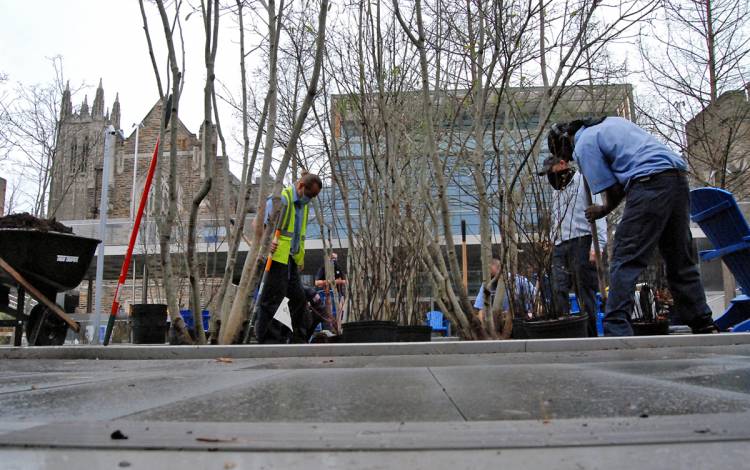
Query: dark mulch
point(26, 220)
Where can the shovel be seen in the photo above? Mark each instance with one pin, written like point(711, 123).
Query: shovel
point(134, 231)
point(261, 288)
point(597, 250)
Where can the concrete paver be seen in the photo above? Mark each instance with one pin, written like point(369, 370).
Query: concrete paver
point(446, 405)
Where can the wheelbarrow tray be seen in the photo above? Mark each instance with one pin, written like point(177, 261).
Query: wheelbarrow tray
point(51, 261)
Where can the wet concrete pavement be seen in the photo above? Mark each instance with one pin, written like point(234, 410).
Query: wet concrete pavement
point(633, 404)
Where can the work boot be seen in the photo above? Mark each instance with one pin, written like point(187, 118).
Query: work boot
point(709, 329)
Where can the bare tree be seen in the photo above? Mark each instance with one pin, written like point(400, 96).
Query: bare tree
point(210, 15)
point(29, 127)
point(262, 238)
point(696, 58)
point(168, 209)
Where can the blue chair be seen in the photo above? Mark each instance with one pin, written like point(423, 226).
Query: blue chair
point(437, 322)
point(575, 309)
point(719, 216)
point(187, 317)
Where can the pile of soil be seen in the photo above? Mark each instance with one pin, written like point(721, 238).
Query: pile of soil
point(26, 220)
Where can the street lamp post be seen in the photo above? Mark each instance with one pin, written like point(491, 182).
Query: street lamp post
point(110, 134)
point(135, 170)
point(132, 191)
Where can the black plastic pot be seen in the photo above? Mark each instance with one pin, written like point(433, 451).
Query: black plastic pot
point(519, 330)
point(149, 323)
point(370, 331)
point(650, 328)
point(413, 333)
point(573, 326)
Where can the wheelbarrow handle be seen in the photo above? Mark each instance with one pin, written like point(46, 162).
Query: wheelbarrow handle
point(34, 292)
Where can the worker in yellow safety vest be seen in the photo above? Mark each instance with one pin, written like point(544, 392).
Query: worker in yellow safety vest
point(288, 258)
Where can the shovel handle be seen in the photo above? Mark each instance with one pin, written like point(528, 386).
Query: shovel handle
point(597, 249)
point(276, 236)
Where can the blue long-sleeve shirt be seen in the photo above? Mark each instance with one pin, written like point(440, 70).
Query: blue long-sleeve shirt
point(524, 295)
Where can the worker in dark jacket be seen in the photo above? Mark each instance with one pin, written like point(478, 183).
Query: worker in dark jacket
point(623, 161)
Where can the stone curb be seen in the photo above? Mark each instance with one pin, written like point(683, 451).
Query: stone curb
point(137, 352)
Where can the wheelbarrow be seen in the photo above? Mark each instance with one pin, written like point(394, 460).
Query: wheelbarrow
point(41, 264)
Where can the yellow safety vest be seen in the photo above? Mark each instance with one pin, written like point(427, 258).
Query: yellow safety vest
point(281, 255)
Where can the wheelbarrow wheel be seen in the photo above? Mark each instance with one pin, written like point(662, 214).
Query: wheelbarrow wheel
point(53, 330)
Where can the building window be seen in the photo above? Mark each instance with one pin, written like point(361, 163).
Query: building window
point(73, 160)
point(86, 153)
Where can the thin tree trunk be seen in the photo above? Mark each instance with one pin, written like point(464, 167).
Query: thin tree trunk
point(211, 30)
point(239, 307)
point(165, 230)
point(429, 128)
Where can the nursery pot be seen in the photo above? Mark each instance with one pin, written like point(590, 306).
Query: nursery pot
point(659, 327)
point(149, 323)
point(370, 331)
point(519, 330)
point(413, 333)
point(573, 326)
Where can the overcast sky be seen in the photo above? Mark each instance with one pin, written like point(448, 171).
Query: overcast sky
point(104, 39)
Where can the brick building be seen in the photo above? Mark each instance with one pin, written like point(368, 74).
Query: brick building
point(78, 163)
point(718, 144)
point(718, 152)
point(76, 191)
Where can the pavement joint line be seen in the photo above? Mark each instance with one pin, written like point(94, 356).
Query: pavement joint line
point(165, 352)
point(43, 388)
point(450, 398)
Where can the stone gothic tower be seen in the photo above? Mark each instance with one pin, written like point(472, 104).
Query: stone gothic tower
point(77, 165)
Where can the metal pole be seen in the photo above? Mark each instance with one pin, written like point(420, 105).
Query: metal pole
point(109, 137)
point(144, 292)
point(464, 256)
point(132, 299)
point(132, 191)
point(135, 172)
